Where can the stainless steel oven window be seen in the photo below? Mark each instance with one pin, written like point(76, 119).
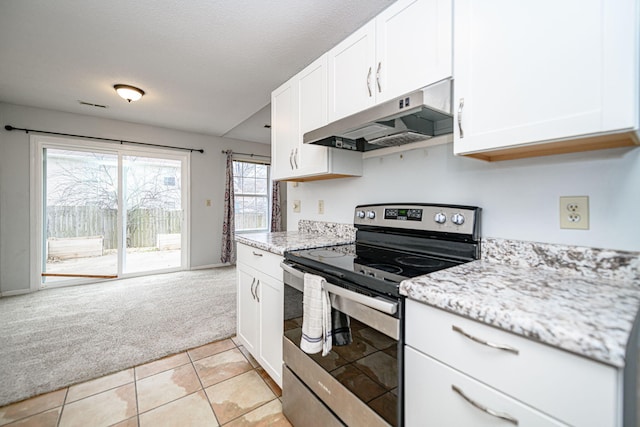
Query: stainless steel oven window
point(368, 367)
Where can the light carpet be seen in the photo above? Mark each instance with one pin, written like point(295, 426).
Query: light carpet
point(58, 337)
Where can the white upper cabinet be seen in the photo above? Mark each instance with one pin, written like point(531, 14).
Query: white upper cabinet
point(544, 77)
point(352, 73)
point(284, 129)
point(406, 47)
point(298, 106)
point(413, 46)
point(312, 114)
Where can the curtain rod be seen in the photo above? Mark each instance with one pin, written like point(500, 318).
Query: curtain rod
point(121, 141)
point(246, 154)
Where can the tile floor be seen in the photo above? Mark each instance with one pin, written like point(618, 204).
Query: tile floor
point(218, 384)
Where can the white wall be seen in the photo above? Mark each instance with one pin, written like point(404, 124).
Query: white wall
point(519, 197)
point(207, 181)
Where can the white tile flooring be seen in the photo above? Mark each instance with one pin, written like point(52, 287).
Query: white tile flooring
point(218, 384)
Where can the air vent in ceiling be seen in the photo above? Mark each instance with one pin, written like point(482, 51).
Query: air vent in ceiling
point(91, 104)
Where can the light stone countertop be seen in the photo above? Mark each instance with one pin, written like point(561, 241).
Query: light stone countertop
point(582, 300)
point(279, 242)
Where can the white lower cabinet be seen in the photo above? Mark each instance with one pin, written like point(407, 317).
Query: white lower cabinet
point(441, 396)
point(270, 321)
point(247, 309)
point(534, 383)
point(260, 308)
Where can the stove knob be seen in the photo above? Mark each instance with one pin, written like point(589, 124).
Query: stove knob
point(371, 214)
point(360, 214)
point(457, 219)
point(440, 218)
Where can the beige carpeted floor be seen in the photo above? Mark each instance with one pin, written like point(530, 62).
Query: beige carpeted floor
point(57, 337)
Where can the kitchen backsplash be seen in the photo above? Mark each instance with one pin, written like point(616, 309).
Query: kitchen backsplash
point(588, 262)
point(347, 231)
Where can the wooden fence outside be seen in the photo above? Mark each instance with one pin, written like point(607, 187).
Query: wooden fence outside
point(143, 225)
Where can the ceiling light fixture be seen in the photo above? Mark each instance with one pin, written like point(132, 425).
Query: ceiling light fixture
point(130, 93)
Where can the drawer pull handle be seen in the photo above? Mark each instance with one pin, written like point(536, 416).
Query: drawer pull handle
point(501, 415)
point(257, 296)
point(483, 342)
point(369, 83)
point(256, 253)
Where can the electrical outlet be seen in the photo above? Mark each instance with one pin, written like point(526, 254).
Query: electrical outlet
point(320, 206)
point(574, 212)
point(296, 206)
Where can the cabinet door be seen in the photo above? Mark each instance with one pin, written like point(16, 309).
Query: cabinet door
point(430, 399)
point(284, 130)
point(352, 73)
point(544, 70)
point(247, 309)
point(413, 46)
point(271, 325)
point(312, 102)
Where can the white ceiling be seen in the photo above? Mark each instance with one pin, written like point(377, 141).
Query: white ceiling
point(206, 65)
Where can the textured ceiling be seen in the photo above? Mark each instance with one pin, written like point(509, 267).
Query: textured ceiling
point(206, 65)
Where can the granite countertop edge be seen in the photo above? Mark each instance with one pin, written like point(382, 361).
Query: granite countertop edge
point(282, 241)
point(569, 309)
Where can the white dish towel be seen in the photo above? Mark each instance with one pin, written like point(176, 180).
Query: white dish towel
point(316, 317)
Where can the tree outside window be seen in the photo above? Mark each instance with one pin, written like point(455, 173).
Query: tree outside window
point(251, 189)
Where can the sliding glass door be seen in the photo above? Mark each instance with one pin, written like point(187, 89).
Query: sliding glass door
point(153, 221)
point(80, 236)
point(107, 213)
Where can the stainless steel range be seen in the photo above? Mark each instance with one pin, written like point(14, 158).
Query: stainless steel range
point(360, 383)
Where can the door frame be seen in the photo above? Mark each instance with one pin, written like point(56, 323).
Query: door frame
point(36, 210)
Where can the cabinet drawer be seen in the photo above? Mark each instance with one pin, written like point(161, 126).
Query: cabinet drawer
point(431, 399)
point(261, 260)
point(569, 387)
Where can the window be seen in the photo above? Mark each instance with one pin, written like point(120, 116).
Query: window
point(251, 189)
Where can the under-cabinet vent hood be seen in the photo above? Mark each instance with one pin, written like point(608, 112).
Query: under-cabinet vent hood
point(416, 116)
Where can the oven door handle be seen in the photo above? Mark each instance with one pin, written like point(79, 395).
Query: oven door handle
point(289, 269)
point(376, 303)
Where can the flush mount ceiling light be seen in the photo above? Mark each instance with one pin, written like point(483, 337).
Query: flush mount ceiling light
point(130, 93)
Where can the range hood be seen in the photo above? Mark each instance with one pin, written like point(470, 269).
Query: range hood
point(414, 117)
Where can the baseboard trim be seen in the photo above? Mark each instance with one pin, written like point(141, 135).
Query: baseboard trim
point(12, 293)
point(204, 267)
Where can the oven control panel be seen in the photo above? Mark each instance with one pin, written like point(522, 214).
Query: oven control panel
point(403, 214)
point(445, 218)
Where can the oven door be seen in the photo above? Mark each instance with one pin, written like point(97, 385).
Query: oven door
point(360, 382)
